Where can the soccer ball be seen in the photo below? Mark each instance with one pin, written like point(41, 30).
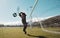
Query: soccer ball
point(14, 14)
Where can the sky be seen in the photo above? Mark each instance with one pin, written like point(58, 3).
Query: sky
point(44, 8)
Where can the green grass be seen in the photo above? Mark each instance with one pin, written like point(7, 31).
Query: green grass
point(16, 32)
point(57, 29)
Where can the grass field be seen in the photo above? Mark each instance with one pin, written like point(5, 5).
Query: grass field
point(16, 32)
point(57, 29)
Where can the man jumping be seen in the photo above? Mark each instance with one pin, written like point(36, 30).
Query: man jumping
point(23, 16)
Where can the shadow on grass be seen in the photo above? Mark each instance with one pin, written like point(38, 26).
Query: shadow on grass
point(36, 36)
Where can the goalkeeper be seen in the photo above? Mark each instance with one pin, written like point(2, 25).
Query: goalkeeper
point(23, 16)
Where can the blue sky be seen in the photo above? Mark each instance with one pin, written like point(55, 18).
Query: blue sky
point(44, 8)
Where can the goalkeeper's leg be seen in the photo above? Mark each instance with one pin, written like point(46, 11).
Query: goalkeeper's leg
point(24, 29)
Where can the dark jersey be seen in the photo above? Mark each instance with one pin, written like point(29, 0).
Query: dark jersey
point(23, 16)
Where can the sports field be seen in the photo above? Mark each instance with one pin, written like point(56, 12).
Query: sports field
point(16, 32)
